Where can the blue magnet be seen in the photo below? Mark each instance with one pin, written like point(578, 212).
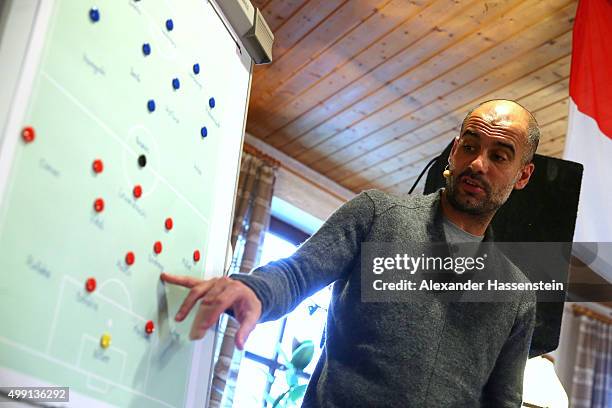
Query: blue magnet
point(176, 84)
point(151, 105)
point(204, 132)
point(146, 48)
point(211, 103)
point(94, 15)
point(169, 24)
point(196, 69)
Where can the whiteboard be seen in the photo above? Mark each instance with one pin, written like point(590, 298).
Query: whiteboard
point(122, 129)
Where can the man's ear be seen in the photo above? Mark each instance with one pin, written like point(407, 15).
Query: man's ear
point(524, 176)
point(454, 148)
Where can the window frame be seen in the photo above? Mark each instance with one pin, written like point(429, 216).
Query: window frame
point(296, 237)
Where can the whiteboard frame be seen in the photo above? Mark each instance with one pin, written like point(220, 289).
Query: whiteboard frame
point(33, 39)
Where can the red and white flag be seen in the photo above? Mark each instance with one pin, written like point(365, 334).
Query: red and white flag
point(589, 134)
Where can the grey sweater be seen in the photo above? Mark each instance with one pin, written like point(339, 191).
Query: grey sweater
point(429, 353)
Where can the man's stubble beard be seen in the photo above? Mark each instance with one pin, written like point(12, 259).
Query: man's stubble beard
point(484, 206)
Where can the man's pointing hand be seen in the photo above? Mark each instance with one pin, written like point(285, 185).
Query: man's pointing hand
point(217, 295)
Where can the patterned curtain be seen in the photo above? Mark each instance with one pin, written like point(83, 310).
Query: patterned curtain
point(592, 382)
point(251, 221)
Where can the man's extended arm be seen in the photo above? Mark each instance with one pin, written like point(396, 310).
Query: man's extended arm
point(504, 388)
point(325, 257)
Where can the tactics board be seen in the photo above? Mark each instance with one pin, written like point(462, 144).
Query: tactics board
point(119, 160)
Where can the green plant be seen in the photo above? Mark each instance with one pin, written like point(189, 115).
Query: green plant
point(301, 356)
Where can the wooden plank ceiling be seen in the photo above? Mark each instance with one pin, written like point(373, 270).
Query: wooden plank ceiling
point(366, 92)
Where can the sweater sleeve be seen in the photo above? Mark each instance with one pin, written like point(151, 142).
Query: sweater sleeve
point(504, 388)
point(325, 257)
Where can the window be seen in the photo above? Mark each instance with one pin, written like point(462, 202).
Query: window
point(262, 368)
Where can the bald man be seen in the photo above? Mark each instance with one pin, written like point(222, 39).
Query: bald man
point(479, 185)
point(423, 353)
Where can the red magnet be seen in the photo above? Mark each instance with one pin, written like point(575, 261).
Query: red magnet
point(196, 255)
point(28, 134)
point(137, 191)
point(157, 247)
point(97, 166)
point(150, 327)
point(169, 223)
point(130, 258)
point(90, 285)
point(99, 205)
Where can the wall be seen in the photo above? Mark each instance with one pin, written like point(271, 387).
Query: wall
point(301, 186)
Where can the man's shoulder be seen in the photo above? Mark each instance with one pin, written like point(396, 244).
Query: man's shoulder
point(383, 201)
